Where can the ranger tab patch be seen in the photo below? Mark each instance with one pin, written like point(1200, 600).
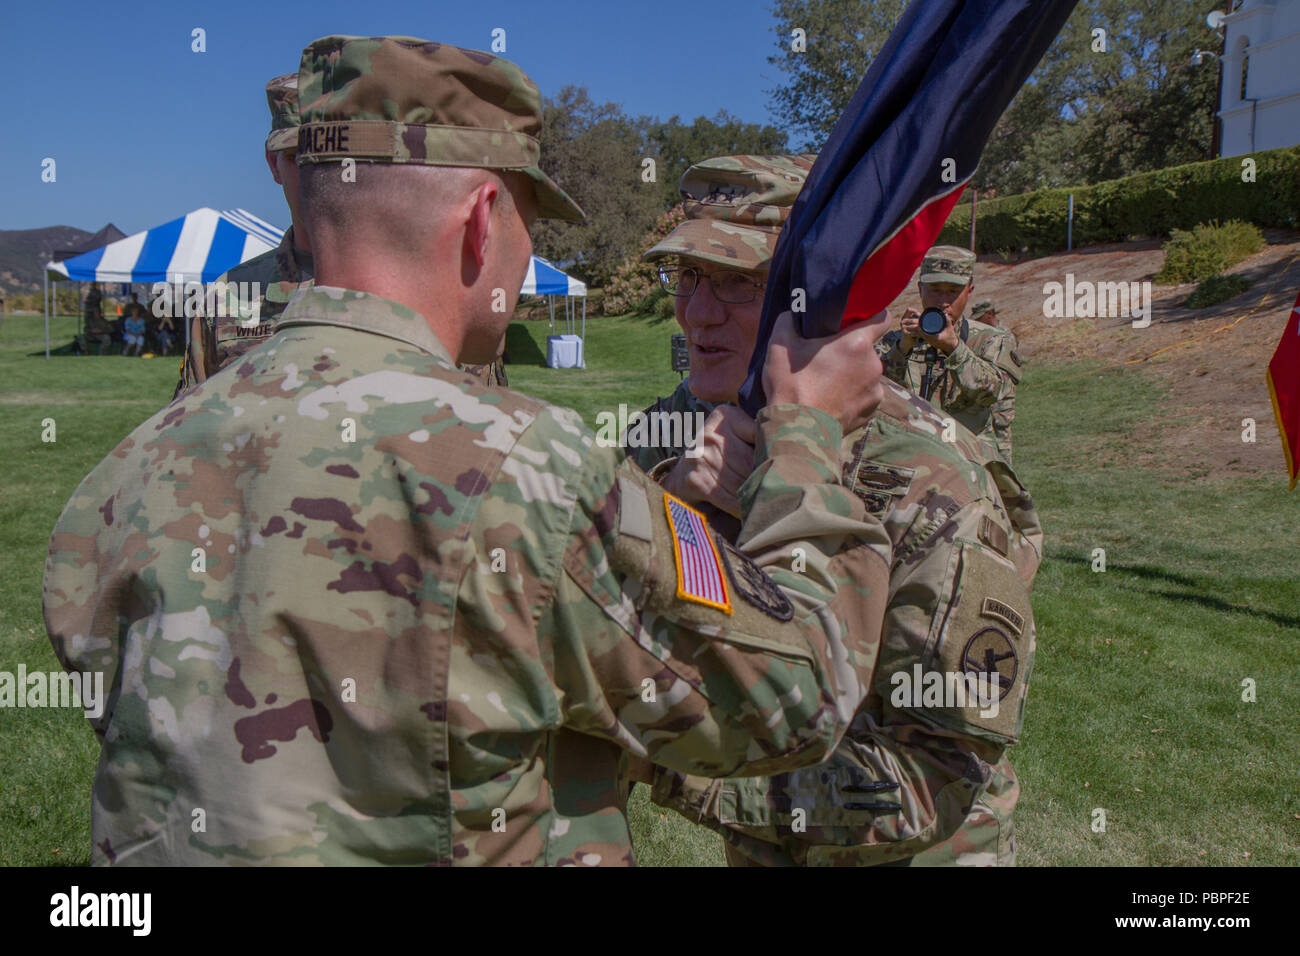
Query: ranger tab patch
point(700, 577)
point(1004, 612)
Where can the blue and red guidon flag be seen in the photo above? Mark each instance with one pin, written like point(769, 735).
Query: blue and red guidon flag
point(898, 160)
point(1284, 388)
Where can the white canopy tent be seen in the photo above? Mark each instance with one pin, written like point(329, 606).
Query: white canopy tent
point(544, 279)
point(197, 247)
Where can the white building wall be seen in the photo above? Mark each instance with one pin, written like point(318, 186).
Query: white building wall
point(1266, 37)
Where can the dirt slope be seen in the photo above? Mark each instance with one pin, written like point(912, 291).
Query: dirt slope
point(1213, 376)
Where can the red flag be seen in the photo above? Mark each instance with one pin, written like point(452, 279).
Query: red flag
point(1284, 387)
point(895, 165)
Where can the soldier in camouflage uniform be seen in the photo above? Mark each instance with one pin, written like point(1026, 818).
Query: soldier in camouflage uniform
point(977, 365)
point(921, 786)
point(356, 607)
point(216, 341)
point(1004, 409)
point(98, 328)
point(985, 311)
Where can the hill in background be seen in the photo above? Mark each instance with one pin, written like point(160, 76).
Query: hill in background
point(24, 251)
point(1208, 363)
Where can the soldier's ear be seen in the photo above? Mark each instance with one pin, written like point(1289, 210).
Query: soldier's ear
point(478, 225)
point(275, 170)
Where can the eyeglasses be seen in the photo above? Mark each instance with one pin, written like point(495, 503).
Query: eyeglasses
point(729, 286)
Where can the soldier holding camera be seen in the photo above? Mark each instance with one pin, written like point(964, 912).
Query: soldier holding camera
point(959, 365)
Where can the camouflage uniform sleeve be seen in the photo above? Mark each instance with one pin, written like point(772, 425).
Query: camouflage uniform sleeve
point(1004, 410)
point(1027, 527)
point(703, 690)
point(793, 497)
point(905, 777)
point(982, 379)
point(1004, 413)
point(73, 567)
point(196, 362)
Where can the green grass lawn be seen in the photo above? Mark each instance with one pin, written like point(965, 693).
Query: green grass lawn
point(1136, 704)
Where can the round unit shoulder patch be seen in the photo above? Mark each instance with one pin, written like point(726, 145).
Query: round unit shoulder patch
point(991, 652)
point(754, 585)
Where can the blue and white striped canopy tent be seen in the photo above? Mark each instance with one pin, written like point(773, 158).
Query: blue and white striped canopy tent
point(544, 279)
point(197, 247)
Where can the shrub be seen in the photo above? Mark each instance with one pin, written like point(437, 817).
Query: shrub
point(1207, 251)
point(665, 308)
point(1146, 204)
point(646, 304)
point(1216, 289)
point(635, 282)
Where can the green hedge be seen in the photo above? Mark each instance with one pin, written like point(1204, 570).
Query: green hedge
point(1146, 204)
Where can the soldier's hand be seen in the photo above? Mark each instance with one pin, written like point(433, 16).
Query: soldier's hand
point(839, 374)
point(718, 465)
point(945, 341)
point(911, 326)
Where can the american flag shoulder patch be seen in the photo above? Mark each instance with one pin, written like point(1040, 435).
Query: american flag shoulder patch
point(700, 576)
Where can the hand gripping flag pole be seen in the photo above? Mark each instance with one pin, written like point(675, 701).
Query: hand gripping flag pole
point(898, 160)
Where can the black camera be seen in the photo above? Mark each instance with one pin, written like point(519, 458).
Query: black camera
point(933, 321)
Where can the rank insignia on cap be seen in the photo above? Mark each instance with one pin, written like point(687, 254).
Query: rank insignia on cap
point(700, 577)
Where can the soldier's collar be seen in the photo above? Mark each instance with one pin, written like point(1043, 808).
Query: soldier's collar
point(349, 309)
point(294, 266)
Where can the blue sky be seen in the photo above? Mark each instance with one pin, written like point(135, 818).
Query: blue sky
point(143, 129)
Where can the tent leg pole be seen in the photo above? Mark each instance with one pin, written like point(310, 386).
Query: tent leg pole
point(184, 318)
point(47, 315)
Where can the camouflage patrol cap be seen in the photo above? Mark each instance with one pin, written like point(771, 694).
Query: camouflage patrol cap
point(405, 100)
point(980, 307)
point(282, 97)
point(948, 264)
point(735, 207)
